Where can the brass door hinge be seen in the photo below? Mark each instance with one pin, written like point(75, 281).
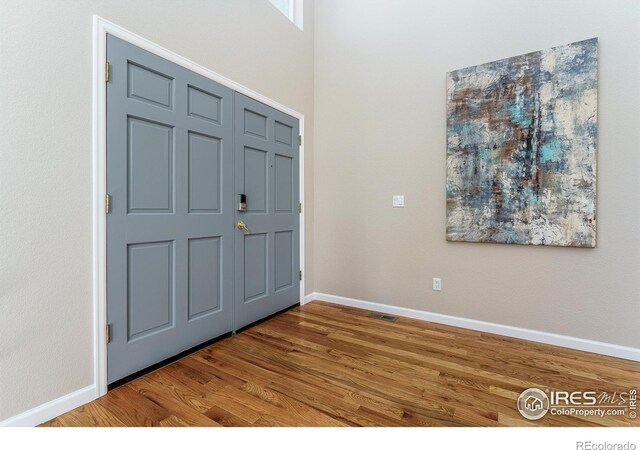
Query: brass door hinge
point(106, 72)
point(108, 333)
point(107, 204)
point(299, 208)
point(301, 275)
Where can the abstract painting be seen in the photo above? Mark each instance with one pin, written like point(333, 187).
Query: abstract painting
point(521, 149)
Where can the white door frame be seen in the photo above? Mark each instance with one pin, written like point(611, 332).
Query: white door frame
point(102, 27)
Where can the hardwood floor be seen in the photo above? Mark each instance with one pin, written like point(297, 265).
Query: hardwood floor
point(328, 365)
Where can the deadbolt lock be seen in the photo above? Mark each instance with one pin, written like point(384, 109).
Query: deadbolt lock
point(242, 202)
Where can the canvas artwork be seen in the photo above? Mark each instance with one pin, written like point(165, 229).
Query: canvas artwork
point(521, 149)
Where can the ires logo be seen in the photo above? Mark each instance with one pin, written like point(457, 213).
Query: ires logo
point(534, 403)
point(578, 398)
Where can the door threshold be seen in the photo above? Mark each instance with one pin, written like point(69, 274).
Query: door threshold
point(264, 319)
point(165, 362)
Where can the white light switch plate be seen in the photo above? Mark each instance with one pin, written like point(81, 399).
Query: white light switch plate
point(398, 201)
point(437, 284)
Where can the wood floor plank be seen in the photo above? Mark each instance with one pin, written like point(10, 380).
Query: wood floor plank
point(300, 413)
point(173, 421)
point(132, 408)
point(329, 365)
point(90, 415)
point(519, 367)
point(224, 417)
point(232, 400)
point(185, 404)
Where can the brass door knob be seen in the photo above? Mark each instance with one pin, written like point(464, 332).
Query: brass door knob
point(243, 226)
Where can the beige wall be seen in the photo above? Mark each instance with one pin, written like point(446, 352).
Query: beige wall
point(380, 130)
point(45, 159)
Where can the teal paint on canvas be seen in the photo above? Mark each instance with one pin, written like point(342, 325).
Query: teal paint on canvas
point(521, 149)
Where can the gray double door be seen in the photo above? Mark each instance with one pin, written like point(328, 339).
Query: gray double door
point(181, 149)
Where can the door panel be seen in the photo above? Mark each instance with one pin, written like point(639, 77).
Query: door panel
point(284, 259)
point(149, 166)
point(255, 266)
point(170, 233)
point(284, 184)
point(255, 124)
point(204, 276)
point(255, 175)
point(150, 288)
point(148, 85)
point(205, 176)
point(204, 105)
point(266, 170)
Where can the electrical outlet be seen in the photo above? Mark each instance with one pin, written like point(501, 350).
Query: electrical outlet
point(437, 284)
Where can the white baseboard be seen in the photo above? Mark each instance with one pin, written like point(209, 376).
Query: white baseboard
point(586, 345)
point(54, 408)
